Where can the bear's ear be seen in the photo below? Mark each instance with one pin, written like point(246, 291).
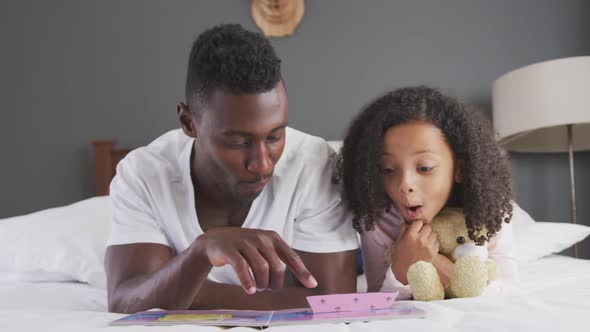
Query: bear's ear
point(458, 172)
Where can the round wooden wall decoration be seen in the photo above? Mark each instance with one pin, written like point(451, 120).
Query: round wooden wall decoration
point(277, 18)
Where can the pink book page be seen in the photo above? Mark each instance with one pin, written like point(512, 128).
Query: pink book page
point(361, 302)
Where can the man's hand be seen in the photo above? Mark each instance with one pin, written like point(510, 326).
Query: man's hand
point(416, 242)
point(141, 276)
point(252, 249)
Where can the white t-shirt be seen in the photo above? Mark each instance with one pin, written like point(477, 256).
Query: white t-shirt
point(153, 199)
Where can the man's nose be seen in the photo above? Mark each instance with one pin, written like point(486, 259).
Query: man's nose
point(259, 161)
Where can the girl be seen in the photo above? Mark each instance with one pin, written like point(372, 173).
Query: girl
point(406, 156)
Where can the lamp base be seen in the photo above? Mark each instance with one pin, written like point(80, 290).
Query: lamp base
point(570, 141)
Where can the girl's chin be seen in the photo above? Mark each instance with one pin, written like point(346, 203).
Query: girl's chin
point(424, 221)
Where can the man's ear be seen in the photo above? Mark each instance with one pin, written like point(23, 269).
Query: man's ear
point(458, 174)
point(187, 120)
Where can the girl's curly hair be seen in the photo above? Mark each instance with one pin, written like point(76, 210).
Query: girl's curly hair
point(485, 191)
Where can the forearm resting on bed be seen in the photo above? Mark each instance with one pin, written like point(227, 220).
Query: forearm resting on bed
point(164, 282)
point(144, 276)
point(335, 273)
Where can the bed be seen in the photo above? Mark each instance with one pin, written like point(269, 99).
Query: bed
point(52, 276)
point(555, 296)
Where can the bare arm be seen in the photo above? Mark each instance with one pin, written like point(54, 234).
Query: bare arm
point(416, 242)
point(444, 266)
point(147, 275)
point(144, 276)
point(334, 272)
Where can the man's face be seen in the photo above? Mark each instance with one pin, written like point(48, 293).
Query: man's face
point(239, 140)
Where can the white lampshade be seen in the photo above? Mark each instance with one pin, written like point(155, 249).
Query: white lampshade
point(532, 106)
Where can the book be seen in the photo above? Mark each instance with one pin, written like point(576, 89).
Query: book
point(339, 308)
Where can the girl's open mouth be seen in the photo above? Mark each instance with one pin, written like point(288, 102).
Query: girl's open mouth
point(414, 212)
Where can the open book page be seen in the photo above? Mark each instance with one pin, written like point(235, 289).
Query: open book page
point(198, 317)
point(339, 308)
point(307, 316)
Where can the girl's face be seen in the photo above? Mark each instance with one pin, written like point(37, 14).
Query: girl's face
point(418, 169)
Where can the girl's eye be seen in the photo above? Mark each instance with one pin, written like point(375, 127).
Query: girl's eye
point(425, 169)
point(388, 170)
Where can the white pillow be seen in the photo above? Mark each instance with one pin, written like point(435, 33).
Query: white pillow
point(61, 243)
point(336, 145)
point(69, 242)
point(34, 276)
point(536, 239)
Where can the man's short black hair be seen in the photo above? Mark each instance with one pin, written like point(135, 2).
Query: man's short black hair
point(233, 59)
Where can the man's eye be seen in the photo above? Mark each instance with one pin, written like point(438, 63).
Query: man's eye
point(273, 138)
point(237, 144)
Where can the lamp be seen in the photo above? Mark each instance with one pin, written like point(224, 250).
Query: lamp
point(545, 107)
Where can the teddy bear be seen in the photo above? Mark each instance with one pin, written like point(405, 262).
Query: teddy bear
point(472, 272)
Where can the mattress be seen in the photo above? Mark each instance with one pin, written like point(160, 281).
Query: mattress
point(554, 295)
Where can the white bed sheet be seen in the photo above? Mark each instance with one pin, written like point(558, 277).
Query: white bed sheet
point(554, 296)
point(53, 296)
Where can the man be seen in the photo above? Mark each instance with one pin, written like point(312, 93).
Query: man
point(209, 216)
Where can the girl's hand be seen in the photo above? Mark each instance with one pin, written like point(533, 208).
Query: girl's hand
point(416, 242)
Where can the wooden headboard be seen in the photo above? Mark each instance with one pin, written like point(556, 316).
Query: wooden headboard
point(106, 158)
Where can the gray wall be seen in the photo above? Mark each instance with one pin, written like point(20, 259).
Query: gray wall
point(73, 71)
